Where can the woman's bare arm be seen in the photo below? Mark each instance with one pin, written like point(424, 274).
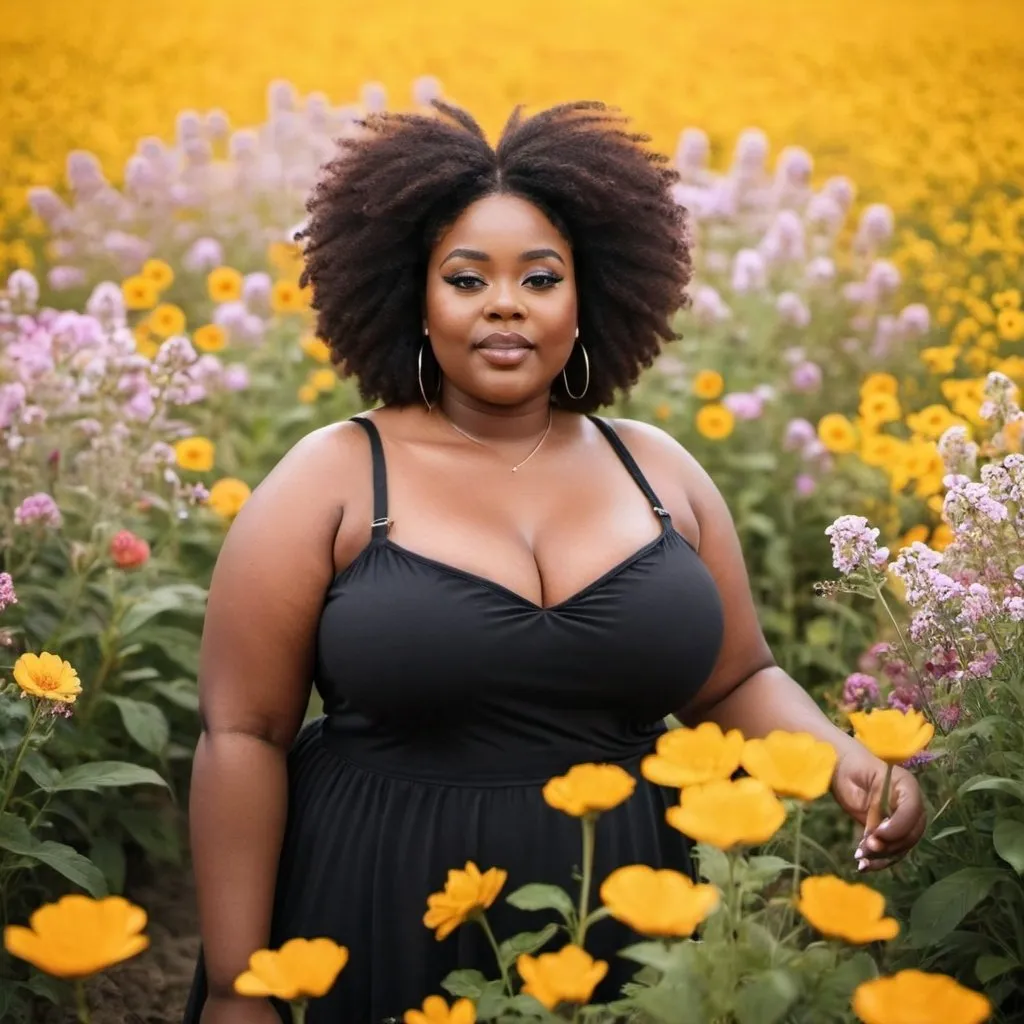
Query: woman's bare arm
point(256, 666)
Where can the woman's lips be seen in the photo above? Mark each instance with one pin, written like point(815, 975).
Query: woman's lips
point(504, 349)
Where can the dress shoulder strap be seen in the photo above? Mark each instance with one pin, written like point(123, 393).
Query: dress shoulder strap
point(631, 465)
point(381, 522)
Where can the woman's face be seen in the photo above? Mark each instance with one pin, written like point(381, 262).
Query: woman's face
point(500, 303)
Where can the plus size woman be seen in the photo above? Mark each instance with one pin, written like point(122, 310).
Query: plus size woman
point(486, 582)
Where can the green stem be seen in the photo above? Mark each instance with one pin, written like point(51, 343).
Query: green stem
point(589, 831)
point(81, 1002)
point(486, 925)
point(885, 791)
point(797, 841)
point(12, 776)
point(906, 649)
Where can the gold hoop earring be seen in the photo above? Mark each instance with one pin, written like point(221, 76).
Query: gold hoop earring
point(419, 377)
point(565, 379)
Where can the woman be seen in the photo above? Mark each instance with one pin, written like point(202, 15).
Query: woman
point(486, 585)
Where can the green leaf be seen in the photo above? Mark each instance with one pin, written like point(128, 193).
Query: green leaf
point(543, 897)
point(181, 692)
point(943, 905)
point(173, 597)
point(40, 771)
point(1008, 839)
point(103, 774)
point(671, 1004)
point(179, 646)
point(492, 1001)
point(145, 723)
point(762, 871)
point(766, 998)
point(994, 782)
point(713, 865)
point(953, 830)
point(16, 838)
point(989, 967)
point(155, 831)
point(107, 854)
point(53, 991)
point(675, 960)
point(470, 984)
point(525, 942)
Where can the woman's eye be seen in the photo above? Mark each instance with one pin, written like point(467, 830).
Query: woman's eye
point(463, 282)
point(540, 281)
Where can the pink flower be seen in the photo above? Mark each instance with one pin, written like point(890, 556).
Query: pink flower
point(860, 691)
point(854, 544)
point(806, 376)
point(128, 550)
point(792, 310)
point(749, 273)
point(7, 594)
point(38, 508)
point(799, 433)
point(805, 485)
point(744, 405)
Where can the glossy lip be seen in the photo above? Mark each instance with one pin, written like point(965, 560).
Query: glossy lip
point(503, 340)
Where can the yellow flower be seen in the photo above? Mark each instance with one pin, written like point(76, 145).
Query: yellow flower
point(315, 348)
point(568, 976)
point(914, 997)
point(918, 533)
point(689, 757)
point(932, 421)
point(166, 320)
point(940, 360)
point(307, 394)
point(224, 284)
point(78, 936)
point(1009, 299)
point(727, 814)
point(879, 407)
point(662, 412)
point(885, 383)
point(49, 676)
point(288, 297)
point(195, 453)
point(942, 537)
point(837, 433)
point(1010, 324)
point(708, 384)
point(880, 449)
point(210, 338)
point(160, 273)
point(227, 496)
point(843, 910)
point(792, 763)
point(139, 293)
point(661, 903)
point(715, 422)
point(285, 257)
point(323, 380)
point(465, 894)
point(589, 789)
point(892, 735)
point(300, 969)
point(436, 1011)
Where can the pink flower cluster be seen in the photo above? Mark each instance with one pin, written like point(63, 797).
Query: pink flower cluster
point(7, 594)
point(855, 545)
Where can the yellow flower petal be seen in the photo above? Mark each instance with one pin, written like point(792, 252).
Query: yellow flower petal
point(890, 734)
point(300, 969)
point(659, 903)
point(568, 976)
point(726, 814)
point(689, 757)
point(47, 676)
point(844, 910)
point(465, 893)
point(589, 789)
point(792, 763)
point(915, 997)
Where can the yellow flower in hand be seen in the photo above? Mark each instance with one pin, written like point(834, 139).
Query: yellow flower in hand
point(78, 936)
point(300, 969)
point(892, 735)
point(436, 1011)
point(465, 894)
point(690, 757)
point(914, 997)
point(568, 976)
point(792, 763)
point(660, 903)
point(589, 789)
point(844, 910)
point(726, 814)
point(47, 676)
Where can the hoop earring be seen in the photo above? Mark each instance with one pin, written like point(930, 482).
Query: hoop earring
point(419, 377)
point(565, 380)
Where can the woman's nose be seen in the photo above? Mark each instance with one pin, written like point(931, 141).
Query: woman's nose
point(504, 304)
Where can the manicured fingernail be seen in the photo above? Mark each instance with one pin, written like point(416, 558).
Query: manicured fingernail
point(885, 824)
point(862, 865)
point(858, 854)
point(874, 845)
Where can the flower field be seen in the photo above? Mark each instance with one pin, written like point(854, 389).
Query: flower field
point(849, 374)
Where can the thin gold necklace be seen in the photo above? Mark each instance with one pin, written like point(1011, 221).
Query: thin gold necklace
point(484, 444)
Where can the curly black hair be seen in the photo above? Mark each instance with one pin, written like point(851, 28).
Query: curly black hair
point(385, 199)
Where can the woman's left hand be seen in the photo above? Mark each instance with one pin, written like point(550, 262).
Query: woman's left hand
point(857, 788)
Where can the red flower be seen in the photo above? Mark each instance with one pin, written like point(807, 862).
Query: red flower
point(129, 551)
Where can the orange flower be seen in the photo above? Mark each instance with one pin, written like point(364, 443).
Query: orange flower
point(300, 969)
point(210, 338)
point(323, 380)
point(159, 272)
point(689, 757)
point(792, 763)
point(589, 789)
point(288, 297)
point(727, 814)
point(48, 676)
point(227, 496)
point(715, 422)
point(466, 893)
point(568, 976)
point(662, 903)
point(315, 348)
point(843, 910)
point(139, 293)
point(166, 320)
point(436, 1011)
point(195, 453)
point(307, 394)
point(707, 384)
point(892, 735)
point(914, 997)
point(78, 936)
point(224, 284)
point(837, 433)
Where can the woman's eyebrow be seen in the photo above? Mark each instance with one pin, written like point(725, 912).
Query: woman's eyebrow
point(482, 257)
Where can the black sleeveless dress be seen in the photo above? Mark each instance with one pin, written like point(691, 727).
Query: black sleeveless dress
point(449, 701)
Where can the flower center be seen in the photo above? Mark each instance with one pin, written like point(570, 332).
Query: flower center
point(45, 681)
